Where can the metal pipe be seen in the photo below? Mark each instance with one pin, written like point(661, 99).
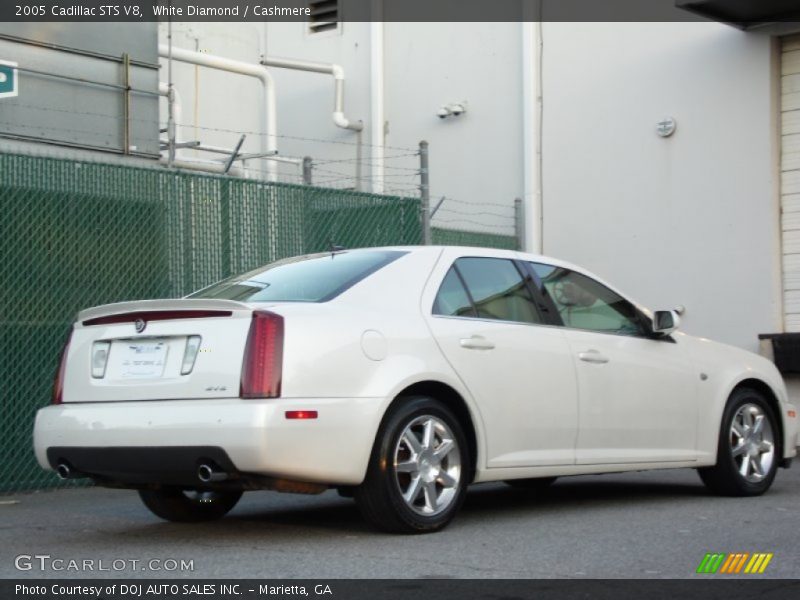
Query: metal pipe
point(308, 177)
point(425, 193)
point(174, 98)
point(328, 69)
point(177, 102)
point(126, 132)
point(234, 154)
point(207, 166)
point(208, 473)
point(377, 114)
point(75, 51)
point(519, 223)
point(532, 133)
point(84, 81)
point(171, 133)
point(268, 140)
point(63, 470)
point(359, 159)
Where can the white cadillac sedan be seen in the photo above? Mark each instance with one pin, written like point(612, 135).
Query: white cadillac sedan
point(400, 376)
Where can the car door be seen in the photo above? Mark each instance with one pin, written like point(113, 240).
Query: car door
point(637, 392)
point(518, 369)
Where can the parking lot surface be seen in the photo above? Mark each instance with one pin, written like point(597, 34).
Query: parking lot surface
point(636, 525)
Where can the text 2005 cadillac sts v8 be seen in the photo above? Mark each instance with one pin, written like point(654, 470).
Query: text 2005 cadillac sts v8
point(400, 376)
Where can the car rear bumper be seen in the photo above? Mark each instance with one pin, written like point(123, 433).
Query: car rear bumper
point(254, 435)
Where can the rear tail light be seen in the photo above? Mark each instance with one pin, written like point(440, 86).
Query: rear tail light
point(58, 383)
point(263, 357)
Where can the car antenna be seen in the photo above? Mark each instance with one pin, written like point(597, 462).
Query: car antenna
point(333, 249)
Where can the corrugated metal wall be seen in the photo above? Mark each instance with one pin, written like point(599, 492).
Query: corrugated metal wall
point(790, 179)
point(57, 104)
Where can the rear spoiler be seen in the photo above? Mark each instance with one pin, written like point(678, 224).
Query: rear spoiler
point(144, 306)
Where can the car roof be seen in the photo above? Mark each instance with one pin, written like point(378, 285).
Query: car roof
point(514, 254)
point(483, 251)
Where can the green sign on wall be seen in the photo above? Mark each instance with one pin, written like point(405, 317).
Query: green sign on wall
point(8, 79)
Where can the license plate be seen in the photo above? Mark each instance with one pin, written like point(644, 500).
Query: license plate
point(142, 360)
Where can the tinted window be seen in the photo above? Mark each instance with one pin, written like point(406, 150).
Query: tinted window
point(311, 278)
point(452, 299)
point(496, 289)
point(584, 303)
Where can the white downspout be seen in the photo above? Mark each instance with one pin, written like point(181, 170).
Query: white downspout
point(328, 69)
point(377, 111)
point(532, 133)
point(177, 106)
point(269, 140)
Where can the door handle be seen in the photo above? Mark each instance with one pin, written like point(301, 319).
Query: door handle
point(476, 342)
point(593, 356)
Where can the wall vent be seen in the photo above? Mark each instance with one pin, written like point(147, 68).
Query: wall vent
point(324, 15)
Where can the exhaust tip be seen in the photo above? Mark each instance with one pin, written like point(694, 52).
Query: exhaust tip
point(64, 471)
point(208, 473)
point(204, 473)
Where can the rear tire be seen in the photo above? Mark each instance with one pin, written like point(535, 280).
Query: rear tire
point(536, 484)
point(749, 447)
point(189, 506)
point(417, 476)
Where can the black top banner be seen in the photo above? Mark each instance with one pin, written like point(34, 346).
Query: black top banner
point(742, 12)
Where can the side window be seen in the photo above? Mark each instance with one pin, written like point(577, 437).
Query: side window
point(452, 299)
point(583, 303)
point(495, 287)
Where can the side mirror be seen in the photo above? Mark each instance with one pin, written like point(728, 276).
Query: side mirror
point(665, 322)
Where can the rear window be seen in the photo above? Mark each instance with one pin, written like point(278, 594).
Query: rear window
point(310, 278)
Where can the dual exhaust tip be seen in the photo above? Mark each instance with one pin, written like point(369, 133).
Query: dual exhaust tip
point(210, 473)
point(65, 471)
point(206, 472)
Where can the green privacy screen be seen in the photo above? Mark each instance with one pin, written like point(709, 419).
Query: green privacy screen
point(78, 234)
point(457, 237)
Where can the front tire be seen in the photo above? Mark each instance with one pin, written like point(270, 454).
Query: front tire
point(417, 477)
point(189, 506)
point(749, 448)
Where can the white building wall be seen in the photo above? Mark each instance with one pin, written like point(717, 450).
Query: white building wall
point(790, 179)
point(692, 219)
point(305, 100)
point(475, 159)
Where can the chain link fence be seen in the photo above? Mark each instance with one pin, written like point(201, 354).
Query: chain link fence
point(77, 234)
point(457, 237)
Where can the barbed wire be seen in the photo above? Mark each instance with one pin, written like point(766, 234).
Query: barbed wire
point(481, 226)
point(370, 160)
point(400, 177)
point(410, 151)
point(476, 213)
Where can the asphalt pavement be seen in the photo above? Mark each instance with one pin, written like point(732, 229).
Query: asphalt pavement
point(635, 525)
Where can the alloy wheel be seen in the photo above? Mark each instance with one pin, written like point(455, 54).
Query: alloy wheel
point(752, 442)
point(427, 465)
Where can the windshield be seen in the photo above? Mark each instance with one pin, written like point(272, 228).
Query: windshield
point(310, 278)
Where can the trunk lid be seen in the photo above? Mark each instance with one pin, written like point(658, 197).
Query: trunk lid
point(157, 350)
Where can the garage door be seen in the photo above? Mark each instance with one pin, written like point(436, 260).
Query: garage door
point(790, 178)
